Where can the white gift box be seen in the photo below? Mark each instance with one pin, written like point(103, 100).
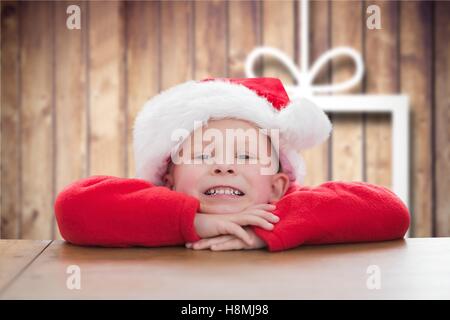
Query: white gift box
point(397, 106)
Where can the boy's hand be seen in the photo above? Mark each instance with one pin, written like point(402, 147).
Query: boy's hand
point(228, 242)
point(213, 225)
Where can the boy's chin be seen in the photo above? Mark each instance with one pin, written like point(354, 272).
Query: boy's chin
point(222, 208)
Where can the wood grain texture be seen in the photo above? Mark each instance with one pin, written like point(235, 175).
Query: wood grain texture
point(382, 77)
point(416, 81)
point(70, 99)
point(442, 117)
point(347, 136)
point(36, 112)
point(177, 43)
point(244, 34)
point(210, 39)
point(410, 269)
point(143, 62)
point(317, 159)
point(108, 130)
point(10, 122)
point(15, 256)
point(278, 31)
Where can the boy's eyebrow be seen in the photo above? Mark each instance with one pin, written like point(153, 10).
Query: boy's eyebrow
point(236, 141)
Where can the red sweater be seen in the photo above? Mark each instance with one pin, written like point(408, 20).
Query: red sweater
point(121, 212)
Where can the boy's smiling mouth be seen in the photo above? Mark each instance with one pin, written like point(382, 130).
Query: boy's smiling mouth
point(225, 191)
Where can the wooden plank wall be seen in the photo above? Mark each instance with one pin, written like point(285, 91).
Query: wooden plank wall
point(69, 97)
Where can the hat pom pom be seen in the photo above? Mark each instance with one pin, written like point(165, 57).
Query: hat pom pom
point(303, 124)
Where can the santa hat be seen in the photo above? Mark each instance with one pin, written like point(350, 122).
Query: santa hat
point(262, 101)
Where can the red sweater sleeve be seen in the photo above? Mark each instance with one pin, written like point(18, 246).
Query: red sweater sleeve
point(122, 212)
point(336, 212)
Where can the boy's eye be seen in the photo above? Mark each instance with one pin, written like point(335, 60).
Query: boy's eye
point(244, 156)
point(202, 156)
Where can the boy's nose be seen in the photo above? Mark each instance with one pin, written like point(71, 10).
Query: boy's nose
point(219, 170)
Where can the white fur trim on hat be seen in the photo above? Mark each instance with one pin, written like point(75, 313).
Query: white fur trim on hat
point(301, 123)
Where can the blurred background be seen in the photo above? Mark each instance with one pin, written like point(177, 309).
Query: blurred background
point(69, 96)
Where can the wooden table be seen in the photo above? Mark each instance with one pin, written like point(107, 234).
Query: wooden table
point(414, 268)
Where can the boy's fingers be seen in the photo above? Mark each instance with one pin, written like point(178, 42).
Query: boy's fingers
point(267, 206)
point(206, 243)
point(238, 231)
point(266, 215)
point(234, 244)
point(248, 219)
point(241, 218)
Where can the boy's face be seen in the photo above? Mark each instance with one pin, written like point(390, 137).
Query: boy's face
point(231, 177)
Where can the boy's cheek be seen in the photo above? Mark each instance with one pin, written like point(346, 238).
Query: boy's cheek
point(261, 189)
point(186, 179)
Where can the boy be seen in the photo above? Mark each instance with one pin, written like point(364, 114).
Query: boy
point(240, 191)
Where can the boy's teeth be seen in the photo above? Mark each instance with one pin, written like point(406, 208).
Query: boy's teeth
point(227, 191)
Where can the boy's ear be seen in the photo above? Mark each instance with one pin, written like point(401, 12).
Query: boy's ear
point(280, 184)
point(168, 180)
point(168, 177)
